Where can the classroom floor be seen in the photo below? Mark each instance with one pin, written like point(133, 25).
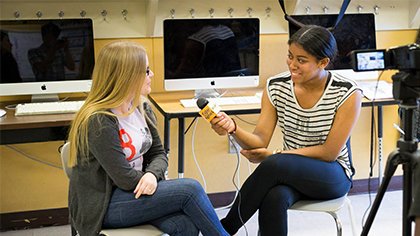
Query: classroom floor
point(387, 221)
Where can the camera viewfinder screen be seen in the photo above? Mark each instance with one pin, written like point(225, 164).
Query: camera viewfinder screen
point(370, 61)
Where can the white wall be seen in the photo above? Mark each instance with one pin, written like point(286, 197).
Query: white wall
point(144, 18)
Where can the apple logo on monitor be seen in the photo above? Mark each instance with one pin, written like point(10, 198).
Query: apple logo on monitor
point(212, 83)
point(43, 87)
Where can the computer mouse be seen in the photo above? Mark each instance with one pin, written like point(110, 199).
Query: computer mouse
point(2, 112)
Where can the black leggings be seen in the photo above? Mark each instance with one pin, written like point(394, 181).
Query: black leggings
point(277, 183)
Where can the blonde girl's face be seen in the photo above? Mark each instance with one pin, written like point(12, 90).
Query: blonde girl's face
point(146, 88)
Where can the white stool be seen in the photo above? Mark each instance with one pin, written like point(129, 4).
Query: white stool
point(133, 231)
point(328, 206)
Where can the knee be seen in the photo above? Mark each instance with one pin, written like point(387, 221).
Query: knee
point(181, 226)
point(282, 164)
point(277, 199)
point(271, 165)
point(281, 197)
point(192, 186)
point(187, 227)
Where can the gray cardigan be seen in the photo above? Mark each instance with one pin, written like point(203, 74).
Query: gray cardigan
point(91, 184)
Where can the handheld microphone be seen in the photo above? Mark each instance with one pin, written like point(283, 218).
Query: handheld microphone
point(208, 110)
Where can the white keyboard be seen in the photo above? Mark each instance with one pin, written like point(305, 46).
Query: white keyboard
point(242, 100)
point(40, 108)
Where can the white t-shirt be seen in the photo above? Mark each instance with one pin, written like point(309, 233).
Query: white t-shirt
point(135, 138)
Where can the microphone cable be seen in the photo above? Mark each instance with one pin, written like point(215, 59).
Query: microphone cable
point(373, 146)
point(238, 193)
point(209, 111)
point(235, 174)
point(33, 157)
point(237, 169)
point(194, 156)
point(249, 123)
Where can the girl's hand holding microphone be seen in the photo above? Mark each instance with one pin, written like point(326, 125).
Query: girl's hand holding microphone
point(222, 124)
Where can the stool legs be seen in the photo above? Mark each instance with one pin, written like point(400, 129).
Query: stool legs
point(337, 223)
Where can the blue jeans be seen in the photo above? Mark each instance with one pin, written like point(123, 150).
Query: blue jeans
point(277, 183)
point(178, 207)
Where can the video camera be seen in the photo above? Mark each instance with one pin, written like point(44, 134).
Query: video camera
point(406, 82)
point(405, 58)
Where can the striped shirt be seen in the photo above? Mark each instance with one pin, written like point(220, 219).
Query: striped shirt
point(309, 127)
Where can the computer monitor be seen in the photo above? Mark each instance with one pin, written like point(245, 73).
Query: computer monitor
point(44, 58)
point(354, 32)
point(209, 54)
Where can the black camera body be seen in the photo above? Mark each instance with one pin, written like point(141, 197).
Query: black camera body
point(406, 82)
point(403, 58)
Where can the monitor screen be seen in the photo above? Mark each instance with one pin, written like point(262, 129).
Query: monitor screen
point(211, 53)
point(46, 56)
point(354, 32)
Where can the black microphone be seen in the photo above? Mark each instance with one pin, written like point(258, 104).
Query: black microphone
point(208, 109)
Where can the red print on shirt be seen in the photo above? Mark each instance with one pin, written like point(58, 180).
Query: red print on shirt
point(127, 142)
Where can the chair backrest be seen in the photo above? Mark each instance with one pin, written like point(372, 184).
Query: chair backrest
point(65, 155)
point(350, 156)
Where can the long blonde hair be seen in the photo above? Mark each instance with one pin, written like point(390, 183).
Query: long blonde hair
point(118, 76)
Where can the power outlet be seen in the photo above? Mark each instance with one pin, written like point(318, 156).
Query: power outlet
point(232, 149)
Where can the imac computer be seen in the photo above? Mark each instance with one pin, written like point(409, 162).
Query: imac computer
point(354, 32)
point(210, 54)
point(44, 58)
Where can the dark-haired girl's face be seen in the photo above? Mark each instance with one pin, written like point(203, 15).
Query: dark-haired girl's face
point(303, 66)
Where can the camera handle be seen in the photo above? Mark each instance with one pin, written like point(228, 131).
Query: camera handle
point(406, 154)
